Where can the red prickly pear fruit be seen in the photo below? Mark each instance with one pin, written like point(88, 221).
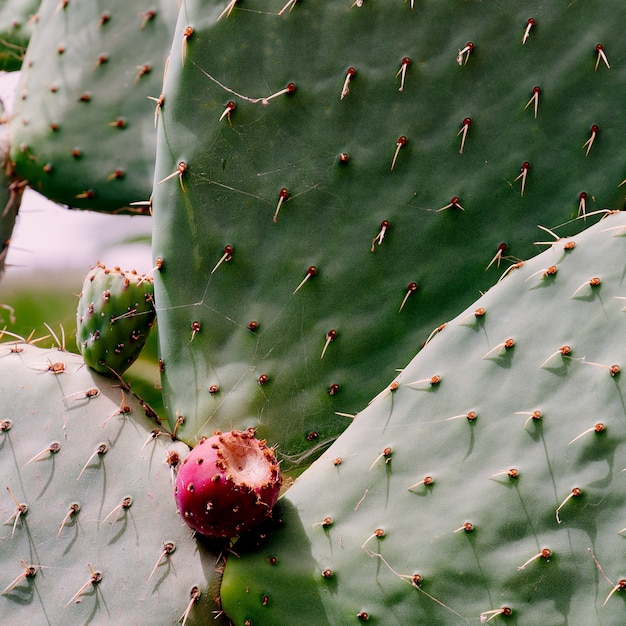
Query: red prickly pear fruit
point(228, 484)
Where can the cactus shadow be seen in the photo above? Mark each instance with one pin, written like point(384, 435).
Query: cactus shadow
point(120, 429)
point(534, 428)
point(589, 297)
point(50, 477)
point(620, 395)
point(34, 555)
point(544, 283)
point(96, 592)
point(482, 576)
point(477, 324)
point(561, 370)
point(472, 441)
point(213, 555)
point(504, 361)
point(551, 574)
point(4, 437)
point(167, 567)
point(296, 563)
point(421, 490)
point(24, 593)
point(124, 515)
point(73, 524)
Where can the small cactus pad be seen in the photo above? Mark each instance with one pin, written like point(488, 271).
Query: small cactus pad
point(114, 317)
point(333, 180)
point(485, 484)
point(83, 129)
point(89, 532)
point(228, 484)
point(17, 20)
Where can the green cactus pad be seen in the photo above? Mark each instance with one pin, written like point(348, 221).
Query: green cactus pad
point(83, 130)
point(488, 478)
point(100, 532)
point(400, 232)
point(17, 20)
point(114, 317)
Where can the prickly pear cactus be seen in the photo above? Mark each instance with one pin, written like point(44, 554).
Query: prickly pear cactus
point(90, 530)
point(485, 482)
point(83, 130)
point(17, 20)
point(334, 178)
point(114, 317)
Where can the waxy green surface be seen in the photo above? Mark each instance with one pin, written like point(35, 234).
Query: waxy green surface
point(414, 469)
point(83, 130)
point(51, 397)
point(237, 161)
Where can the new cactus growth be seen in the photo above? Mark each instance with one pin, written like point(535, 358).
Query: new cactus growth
point(114, 317)
point(228, 484)
point(362, 190)
point(496, 492)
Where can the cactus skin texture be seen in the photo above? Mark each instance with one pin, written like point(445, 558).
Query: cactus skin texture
point(17, 20)
point(83, 130)
point(453, 496)
point(114, 317)
point(221, 172)
point(228, 484)
point(47, 399)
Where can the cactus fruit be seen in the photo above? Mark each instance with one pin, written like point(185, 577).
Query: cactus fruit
point(114, 316)
point(485, 482)
point(332, 184)
point(83, 126)
point(89, 531)
point(228, 484)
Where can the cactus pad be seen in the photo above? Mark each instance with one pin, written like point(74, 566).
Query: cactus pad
point(11, 190)
point(17, 20)
point(334, 178)
point(83, 130)
point(485, 483)
point(90, 532)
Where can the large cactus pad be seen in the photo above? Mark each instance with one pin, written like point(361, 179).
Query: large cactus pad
point(371, 142)
point(487, 482)
point(90, 532)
